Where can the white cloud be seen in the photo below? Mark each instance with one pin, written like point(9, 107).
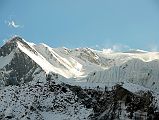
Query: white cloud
point(109, 50)
point(153, 48)
point(116, 48)
point(4, 41)
point(12, 24)
point(97, 46)
point(112, 48)
point(120, 47)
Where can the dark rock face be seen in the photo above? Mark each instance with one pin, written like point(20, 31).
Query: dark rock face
point(12, 44)
point(21, 67)
point(107, 104)
point(44, 97)
point(8, 47)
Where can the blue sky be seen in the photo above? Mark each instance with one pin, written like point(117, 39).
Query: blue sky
point(121, 24)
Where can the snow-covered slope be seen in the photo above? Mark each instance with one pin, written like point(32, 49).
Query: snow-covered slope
point(40, 82)
point(49, 100)
point(135, 71)
point(41, 101)
point(19, 58)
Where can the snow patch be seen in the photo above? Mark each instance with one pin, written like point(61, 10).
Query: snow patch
point(6, 60)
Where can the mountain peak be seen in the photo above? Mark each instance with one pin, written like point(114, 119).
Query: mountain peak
point(9, 46)
point(15, 39)
point(12, 44)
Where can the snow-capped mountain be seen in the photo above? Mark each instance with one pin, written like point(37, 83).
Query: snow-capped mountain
point(40, 82)
point(20, 60)
point(18, 52)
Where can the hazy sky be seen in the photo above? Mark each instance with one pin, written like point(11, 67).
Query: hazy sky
point(121, 24)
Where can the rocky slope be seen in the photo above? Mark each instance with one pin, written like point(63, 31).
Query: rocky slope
point(16, 67)
point(54, 100)
point(40, 82)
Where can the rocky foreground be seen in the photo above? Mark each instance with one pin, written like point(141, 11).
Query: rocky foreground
point(52, 101)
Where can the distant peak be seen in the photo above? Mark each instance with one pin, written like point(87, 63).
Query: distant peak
point(13, 43)
point(16, 38)
point(10, 45)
